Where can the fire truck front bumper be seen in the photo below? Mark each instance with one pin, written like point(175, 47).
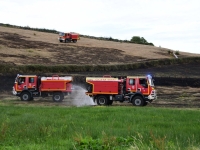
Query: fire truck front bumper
point(61, 39)
point(153, 95)
point(14, 92)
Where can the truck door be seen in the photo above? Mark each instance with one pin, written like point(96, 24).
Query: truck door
point(21, 83)
point(67, 36)
point(130, 85)
point(143, 86)
point(32, 83)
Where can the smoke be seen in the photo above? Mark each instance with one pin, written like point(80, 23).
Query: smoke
point(79, 98)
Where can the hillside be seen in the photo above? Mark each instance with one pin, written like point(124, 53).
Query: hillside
point(22, 47)
point(18, 46)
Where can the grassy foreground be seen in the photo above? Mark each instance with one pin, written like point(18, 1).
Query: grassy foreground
point(98, 128)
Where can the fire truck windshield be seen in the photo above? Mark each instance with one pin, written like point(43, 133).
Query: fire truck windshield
point(61, 34)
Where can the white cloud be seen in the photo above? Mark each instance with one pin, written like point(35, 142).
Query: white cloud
point(173, 24)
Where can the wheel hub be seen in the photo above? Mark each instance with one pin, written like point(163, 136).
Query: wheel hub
point(102, 101)
point(57, 97)
point(137, 102)
point(25, 97)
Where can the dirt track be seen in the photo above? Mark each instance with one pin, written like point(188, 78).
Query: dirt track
point(173, 97)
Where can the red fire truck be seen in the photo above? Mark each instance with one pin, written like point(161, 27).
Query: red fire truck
point(29, 86)
point(68, 37)
point(137, 90)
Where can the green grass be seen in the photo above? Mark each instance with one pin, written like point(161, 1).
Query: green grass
point(98, 128)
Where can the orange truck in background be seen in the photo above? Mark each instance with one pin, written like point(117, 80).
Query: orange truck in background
point(68, 37)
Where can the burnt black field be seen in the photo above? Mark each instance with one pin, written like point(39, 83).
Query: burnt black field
point(172, 75)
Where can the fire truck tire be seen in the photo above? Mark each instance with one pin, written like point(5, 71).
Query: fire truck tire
point(25, 96)
point(58, 97)
point(102, 100)
point(74, 41)
point(138, 101)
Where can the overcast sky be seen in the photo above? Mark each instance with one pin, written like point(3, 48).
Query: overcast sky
point(173, 24)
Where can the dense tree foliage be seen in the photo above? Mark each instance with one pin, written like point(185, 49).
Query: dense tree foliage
point(140, 40)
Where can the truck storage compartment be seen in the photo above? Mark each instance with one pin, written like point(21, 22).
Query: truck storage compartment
point(118, 97)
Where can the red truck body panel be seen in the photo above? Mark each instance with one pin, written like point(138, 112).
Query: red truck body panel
point(74, 36)
point(56, 84)
point(104, 85)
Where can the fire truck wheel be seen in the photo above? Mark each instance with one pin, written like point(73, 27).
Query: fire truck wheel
point(138, 101)
point(102, 100)
point(74, 41)
point(58, 97)
point(25, 96)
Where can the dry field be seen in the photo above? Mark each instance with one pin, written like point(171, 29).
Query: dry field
point(18, 47)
